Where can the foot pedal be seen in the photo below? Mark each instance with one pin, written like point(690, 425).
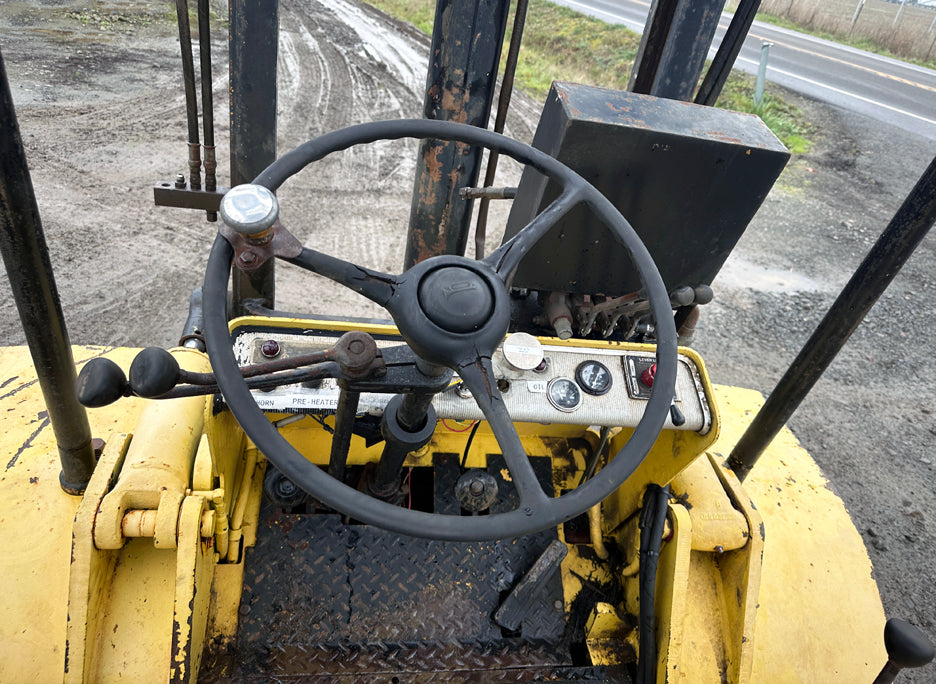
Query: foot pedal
point(523, 599)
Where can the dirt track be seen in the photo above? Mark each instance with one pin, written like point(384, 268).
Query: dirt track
point(101, 112)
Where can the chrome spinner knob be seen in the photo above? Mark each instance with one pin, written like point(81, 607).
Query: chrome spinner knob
point(249, 209)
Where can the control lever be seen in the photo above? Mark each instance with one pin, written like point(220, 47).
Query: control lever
point(101, 382)
point(155, 373)
point(676, 415)
point(906, 646)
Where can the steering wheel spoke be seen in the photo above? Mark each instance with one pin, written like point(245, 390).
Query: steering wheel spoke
point(505, 259)
point(479, 377)
point(376, 286)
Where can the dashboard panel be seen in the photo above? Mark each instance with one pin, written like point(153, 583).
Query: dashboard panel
point(542, 380)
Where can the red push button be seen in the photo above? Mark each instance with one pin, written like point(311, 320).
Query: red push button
point(648, 375)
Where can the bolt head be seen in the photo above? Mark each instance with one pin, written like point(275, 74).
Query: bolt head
point(247, 257)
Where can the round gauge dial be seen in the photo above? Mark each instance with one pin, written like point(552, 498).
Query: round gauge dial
point(594, 377)
point(564, 394)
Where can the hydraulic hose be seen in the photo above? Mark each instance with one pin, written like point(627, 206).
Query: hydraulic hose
point(191, 104)
point(652, 519)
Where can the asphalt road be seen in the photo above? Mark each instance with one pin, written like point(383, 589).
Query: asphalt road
point(882, 88)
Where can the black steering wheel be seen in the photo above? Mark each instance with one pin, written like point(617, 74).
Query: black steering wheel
point(421, 301)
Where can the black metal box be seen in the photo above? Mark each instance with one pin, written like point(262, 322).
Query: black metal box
point(689, 179)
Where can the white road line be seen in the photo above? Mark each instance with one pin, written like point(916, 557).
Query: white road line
point(759, 25)
point(847, 64)
point(593, 10)
point(840, 91)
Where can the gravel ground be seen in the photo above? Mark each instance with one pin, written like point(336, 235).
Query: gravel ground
point(101, 111)
point(868, 422)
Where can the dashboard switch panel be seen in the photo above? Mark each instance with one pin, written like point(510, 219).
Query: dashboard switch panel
point(592, 384)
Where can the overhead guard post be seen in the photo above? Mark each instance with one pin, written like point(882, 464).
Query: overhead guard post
point(673, 48)
point(727, 53)
point(905, 231)
point(26, 258)
point(463, 61)
point(253, 43)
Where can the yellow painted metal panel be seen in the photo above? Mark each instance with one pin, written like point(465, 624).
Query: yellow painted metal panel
point(226, 587)
point(820, 616)
point(815, 582)
point(91, 568)
point(703, 647)
point(672, 592)
point(36, 517)
point(193, 577)
point(133, 642)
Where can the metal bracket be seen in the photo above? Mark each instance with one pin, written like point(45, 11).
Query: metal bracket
point(249, 255)
point(182, 196)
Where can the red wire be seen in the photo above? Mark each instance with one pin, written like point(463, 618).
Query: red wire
point(451, 429)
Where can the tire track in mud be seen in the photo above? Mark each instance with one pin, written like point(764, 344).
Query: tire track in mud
point(344, 63)
point(100, 139)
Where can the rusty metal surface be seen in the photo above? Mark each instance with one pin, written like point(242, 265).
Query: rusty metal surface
point(167, 195)
point(465, 52)
point(250, 255)
point(324, 599)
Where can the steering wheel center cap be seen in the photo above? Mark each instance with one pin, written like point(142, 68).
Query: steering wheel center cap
point(456, 299)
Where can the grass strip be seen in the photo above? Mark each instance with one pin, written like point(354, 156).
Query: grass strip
point(564, 45)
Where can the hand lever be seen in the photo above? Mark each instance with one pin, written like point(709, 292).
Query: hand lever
point(155, 373)
point(101, 382)
point(906, 646)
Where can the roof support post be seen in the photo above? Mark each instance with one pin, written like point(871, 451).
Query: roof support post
point(252, 42)
point(674, 46)
point(26, 257)
point(463, 60)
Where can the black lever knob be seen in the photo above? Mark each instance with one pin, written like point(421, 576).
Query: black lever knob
point(683, 296)
point(100, 382)
point(676, 415)
point(704, 294)
point(906, 646)
point(153, 372)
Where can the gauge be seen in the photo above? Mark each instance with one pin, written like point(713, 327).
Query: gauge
point(564, 394)
point(594, 377)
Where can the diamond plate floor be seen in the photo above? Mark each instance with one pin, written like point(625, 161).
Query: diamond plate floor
point(324, 601)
